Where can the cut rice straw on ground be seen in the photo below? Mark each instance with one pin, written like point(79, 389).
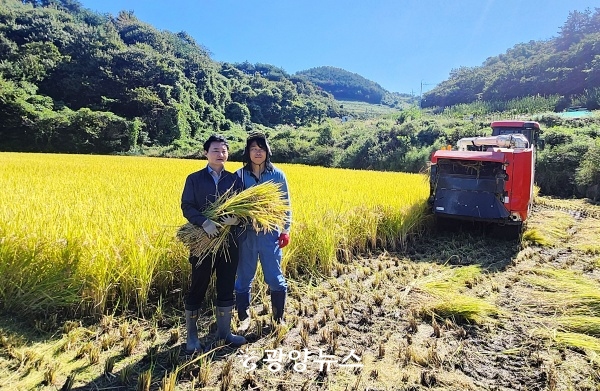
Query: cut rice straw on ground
point(263, 207)
point(589, 325)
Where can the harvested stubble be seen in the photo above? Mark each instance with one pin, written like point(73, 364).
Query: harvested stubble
point(263, 207)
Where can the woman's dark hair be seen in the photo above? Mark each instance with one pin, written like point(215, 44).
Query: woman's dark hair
point(215, 138)
point(261, 141)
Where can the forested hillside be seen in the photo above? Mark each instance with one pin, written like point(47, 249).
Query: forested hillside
point(346, 85)
point(567, 67)
point(72, 80)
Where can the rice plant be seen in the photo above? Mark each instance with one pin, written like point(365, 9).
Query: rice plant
point(91, 233)
point(261, 206)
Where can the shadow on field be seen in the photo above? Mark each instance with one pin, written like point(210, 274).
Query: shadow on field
point(465, 243)
point(163, 363)
point(150, 361)
point(17, 332)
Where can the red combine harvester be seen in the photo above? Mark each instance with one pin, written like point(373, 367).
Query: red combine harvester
point(488, 179)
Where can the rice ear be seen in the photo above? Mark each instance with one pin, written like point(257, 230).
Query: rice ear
point(263, 206)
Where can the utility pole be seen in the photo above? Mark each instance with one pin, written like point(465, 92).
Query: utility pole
point(421, 94)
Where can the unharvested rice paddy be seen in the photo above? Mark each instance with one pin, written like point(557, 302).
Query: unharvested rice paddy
point(84, 233)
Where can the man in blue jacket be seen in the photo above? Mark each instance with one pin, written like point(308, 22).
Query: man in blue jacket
point(263, 246)
point(201, 189)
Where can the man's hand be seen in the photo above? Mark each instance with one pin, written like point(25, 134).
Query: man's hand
point(210, 228)
point(230, 220)
point(284, 240)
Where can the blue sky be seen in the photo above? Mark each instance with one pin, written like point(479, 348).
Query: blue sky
point(404, 45)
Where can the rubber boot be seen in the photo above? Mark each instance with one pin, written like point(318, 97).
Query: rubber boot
point(224, 327)
point(242, 303)
point(278, 305)
point(192, 344)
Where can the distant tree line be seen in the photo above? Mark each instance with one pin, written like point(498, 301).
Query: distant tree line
point(345, 85)
point(566, 66)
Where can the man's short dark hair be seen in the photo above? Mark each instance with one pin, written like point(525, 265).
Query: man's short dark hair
point(215, 138)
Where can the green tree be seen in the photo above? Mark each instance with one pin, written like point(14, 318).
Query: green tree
point(237, 113)
point(588, 172)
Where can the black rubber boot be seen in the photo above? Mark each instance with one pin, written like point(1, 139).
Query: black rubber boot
point(278, 305)
point(242, 303)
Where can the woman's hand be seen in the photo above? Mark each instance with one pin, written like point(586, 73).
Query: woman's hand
point(284, 240)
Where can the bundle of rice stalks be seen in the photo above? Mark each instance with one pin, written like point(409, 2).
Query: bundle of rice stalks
point(261, 207)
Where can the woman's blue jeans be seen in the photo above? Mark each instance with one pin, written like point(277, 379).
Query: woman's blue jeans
point(264, 247)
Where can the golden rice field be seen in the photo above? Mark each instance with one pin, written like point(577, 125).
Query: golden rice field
point(83, 233)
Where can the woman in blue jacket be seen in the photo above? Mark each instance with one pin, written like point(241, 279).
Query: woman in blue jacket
point(201, 189)
point(263, 246)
